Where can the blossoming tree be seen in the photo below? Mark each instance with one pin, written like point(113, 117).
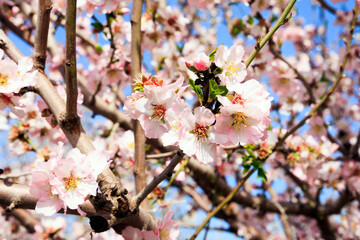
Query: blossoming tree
point(136, 118)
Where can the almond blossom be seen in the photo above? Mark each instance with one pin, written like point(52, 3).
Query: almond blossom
point(167, 228)
point(230, 60)
point(14, 76)
point(152, 107)
point(244, 117)
point(66, 182)
point(201, 62)
point(196, 134)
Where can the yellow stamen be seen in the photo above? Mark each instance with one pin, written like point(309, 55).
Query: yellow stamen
point(3, 79)
point(239, 120)
point(71, 182)
point(231, 69)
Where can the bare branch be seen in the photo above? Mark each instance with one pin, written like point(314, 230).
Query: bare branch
point(159, 178)
point(42, 30)
point(139, 161)
point(108, 182)
point(70, 64)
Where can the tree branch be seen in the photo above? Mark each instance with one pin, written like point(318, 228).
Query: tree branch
point(266, 38)
point(159, 178)
point(108, 182)
point(71, 118)
point(41, 36)
point(139, 161)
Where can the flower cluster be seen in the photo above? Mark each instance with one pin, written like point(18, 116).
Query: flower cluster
point(66, 182)
point(227, 119)
point(14, 77)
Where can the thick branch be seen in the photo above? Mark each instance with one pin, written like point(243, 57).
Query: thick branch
point(42, 29)
point(139, 161)
point(108, 182)
point(70, 62)
point(20, 195)
point(25, 218)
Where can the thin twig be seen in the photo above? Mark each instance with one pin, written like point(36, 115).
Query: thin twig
point(159, 178)
point(160, 155)
point(278, 24)
point(223, 203)
point(9, 176)
point(299, 75)
point(331, 90)
point(283, 216)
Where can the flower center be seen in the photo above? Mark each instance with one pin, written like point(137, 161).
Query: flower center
point(158, 112)
point(231, 69)
point(200, 132)
point(164, 234)
point(284, 81)
point(142, 80)
point(239, 120)
point(238, 100)
point(70, 182)
point(3, 79)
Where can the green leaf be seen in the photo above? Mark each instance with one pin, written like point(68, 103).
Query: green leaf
point(273, 18)
point(218, 70)
point(110, 19)
point(212, 55)
point(256, 164)
point(216, 90)
point(98, 27)
point(192, 68)
point(250, 153)
point(245, 158)
point(246, 167)
point(180, 48)
point(250, 20)
point(98, 48)
point(262, 173)
point(196, 89)
point(324, 78)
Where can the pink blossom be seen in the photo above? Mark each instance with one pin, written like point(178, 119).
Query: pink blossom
point(14, 76)
point(200, 62)
point(48, 203)
point(234, 71)
point(131, 233)
point(196, 134)
point(244, 117)
point(153, 106)
point(73, 179)
point(167, 228)
point(62, 182)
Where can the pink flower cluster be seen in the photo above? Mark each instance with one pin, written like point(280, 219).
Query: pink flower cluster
point(13, 77)
point(66, 182)
point(242, 118)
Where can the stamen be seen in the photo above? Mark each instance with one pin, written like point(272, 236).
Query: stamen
point(158, 113)
point(200, 132)
point(70, 182)
point(239, 120)
point(3, 79)
point(231, 69)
